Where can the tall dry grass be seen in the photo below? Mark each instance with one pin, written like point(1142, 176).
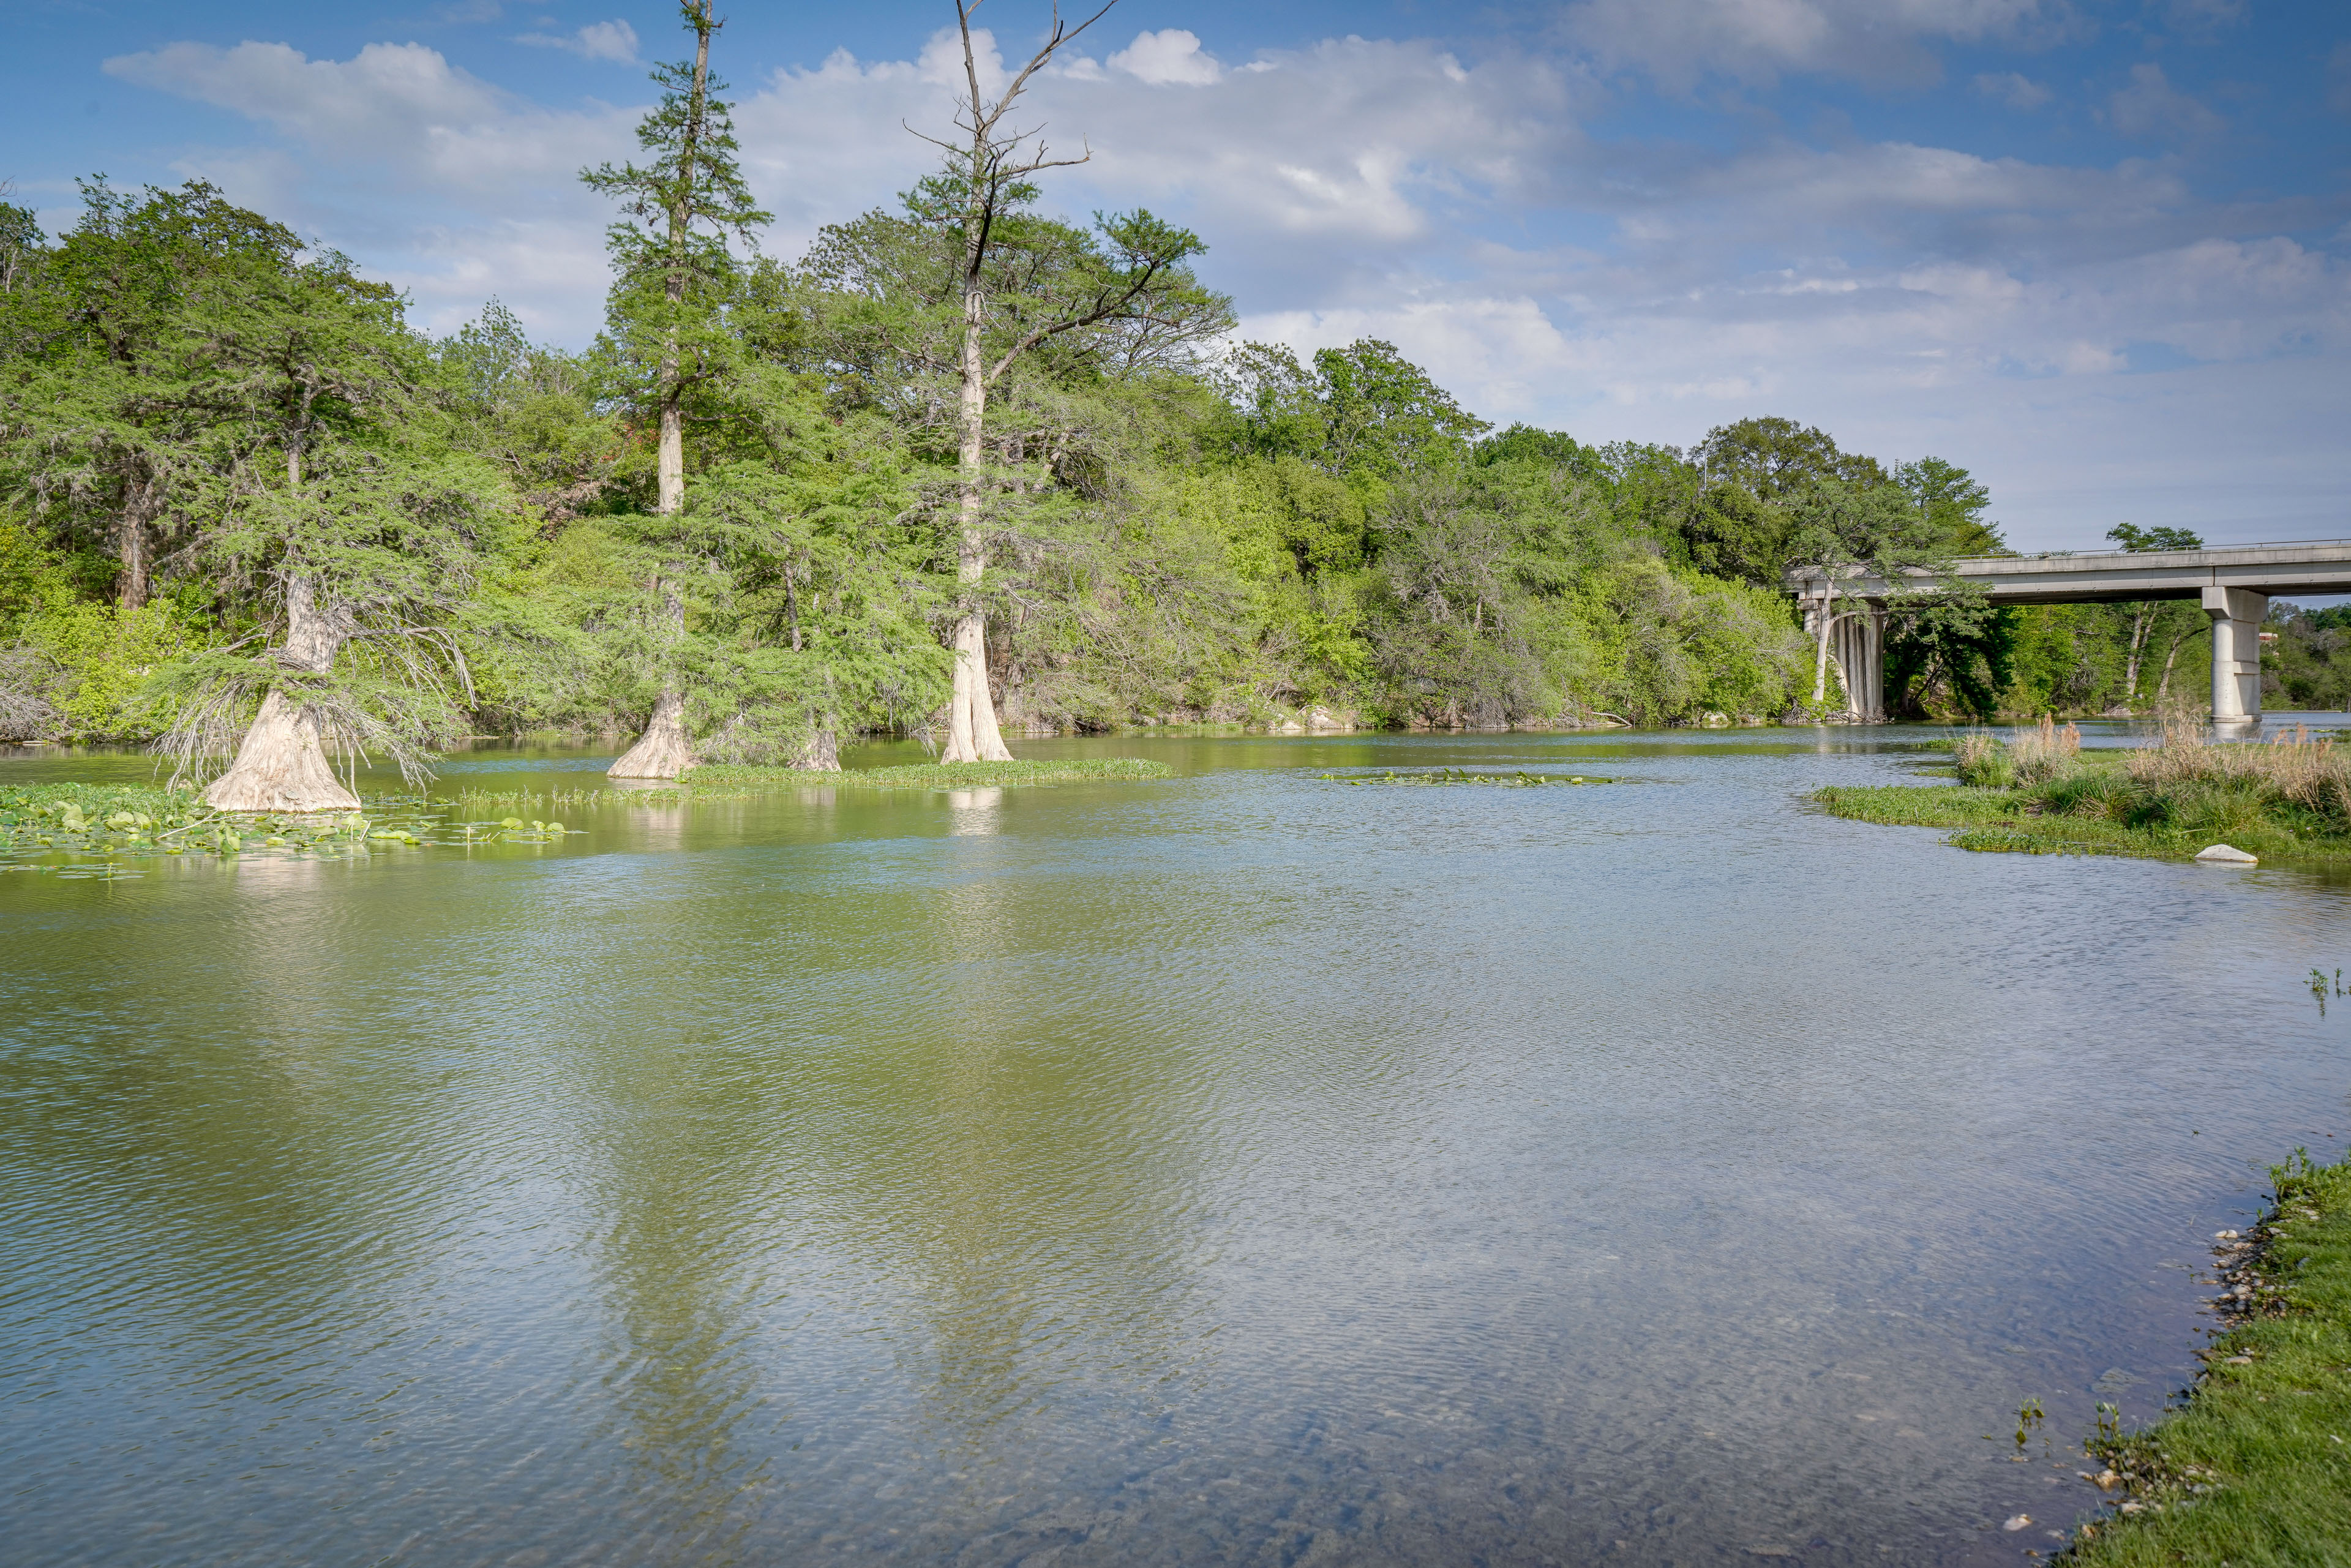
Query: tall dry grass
point(2290, 769)
point(2041, 755)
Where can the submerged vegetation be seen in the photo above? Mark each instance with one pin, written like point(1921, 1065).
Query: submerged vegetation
point(2256, 1468)
point(43, 827)
point(2038, 793)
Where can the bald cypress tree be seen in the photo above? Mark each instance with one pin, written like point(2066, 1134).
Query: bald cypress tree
point(668, 340)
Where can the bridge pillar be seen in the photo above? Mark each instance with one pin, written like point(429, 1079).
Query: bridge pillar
point(1858, 643)
point(2236, 615)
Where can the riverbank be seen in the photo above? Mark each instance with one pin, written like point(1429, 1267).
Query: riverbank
point(2256, 1468)
point(930, 775)
point(2039, 793)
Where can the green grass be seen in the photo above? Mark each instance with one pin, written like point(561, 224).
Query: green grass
point(2093, 809)
point(926, 775)
point(2255, 1468)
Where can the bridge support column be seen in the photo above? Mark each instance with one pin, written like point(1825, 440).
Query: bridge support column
point(1858, 643)
point(2236, 615)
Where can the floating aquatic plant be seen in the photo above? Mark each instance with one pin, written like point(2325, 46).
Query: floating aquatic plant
point(1521, 780)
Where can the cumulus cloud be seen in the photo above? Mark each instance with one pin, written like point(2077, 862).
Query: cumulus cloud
point(1171, 56)
point(614, 40)
point(2151, 106)
point(2013, 90)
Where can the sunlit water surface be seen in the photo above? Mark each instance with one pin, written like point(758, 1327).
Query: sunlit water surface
point(1242, 1169)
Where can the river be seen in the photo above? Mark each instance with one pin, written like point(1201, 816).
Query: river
point(1240, 1168)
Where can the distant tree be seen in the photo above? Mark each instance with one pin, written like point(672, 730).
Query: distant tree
point(2144, 616)
point(1526, 444)
point(1953, 647)
point(1845, 531)
point(668, 339)
point(1363, 412)
point(1124, 286)
point(2131, 537)
point(1953, 504)
point(1777, 459)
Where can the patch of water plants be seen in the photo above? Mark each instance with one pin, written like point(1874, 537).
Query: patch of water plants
point(91, 830)
point(1521, 780)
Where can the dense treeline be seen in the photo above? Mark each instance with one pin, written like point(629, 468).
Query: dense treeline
point(767, 509)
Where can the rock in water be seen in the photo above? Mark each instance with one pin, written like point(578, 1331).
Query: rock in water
point(2224, 854)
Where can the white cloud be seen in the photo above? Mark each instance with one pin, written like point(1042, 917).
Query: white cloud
point(2151, 106)
point(2194, 16)
point(1171, 56)
point(1676, 41)
point(2013, 90)
point(614, 40)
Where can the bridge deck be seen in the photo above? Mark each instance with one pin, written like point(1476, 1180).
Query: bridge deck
point(2304, 566)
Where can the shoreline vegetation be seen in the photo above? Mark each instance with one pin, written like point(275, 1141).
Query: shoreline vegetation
point(2256, 1467)
point(2038, 793)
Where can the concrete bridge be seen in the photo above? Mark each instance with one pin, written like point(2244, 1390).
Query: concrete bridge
point(2234, 583)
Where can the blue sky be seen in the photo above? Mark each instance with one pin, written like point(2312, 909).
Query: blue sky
point(2098, 253)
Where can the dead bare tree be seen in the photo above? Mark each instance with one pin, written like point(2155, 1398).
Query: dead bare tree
point(990, 170)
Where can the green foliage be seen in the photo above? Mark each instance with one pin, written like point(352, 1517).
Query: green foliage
point(2133, 538)
point(1953, 504)
point(418, 539)
point(1950, 653)
point(2310, 662)
point(1362, 412)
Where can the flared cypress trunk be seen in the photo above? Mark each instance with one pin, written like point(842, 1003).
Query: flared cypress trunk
point(282, 764)
point(664, 750)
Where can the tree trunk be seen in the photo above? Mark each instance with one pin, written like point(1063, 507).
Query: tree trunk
point(2142, 620)
point(1821, 652)
point(282, 764)
point(972, 735)
point(820, 753)
point(672, 494)
point(664, 750)
point(2163, 687)
point(132, 586)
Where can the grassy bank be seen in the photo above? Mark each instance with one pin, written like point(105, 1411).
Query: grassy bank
point(2039, 793)
point(2256, 1468)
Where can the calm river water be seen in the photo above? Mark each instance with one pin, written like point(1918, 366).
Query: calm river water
point(1240, 1168)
